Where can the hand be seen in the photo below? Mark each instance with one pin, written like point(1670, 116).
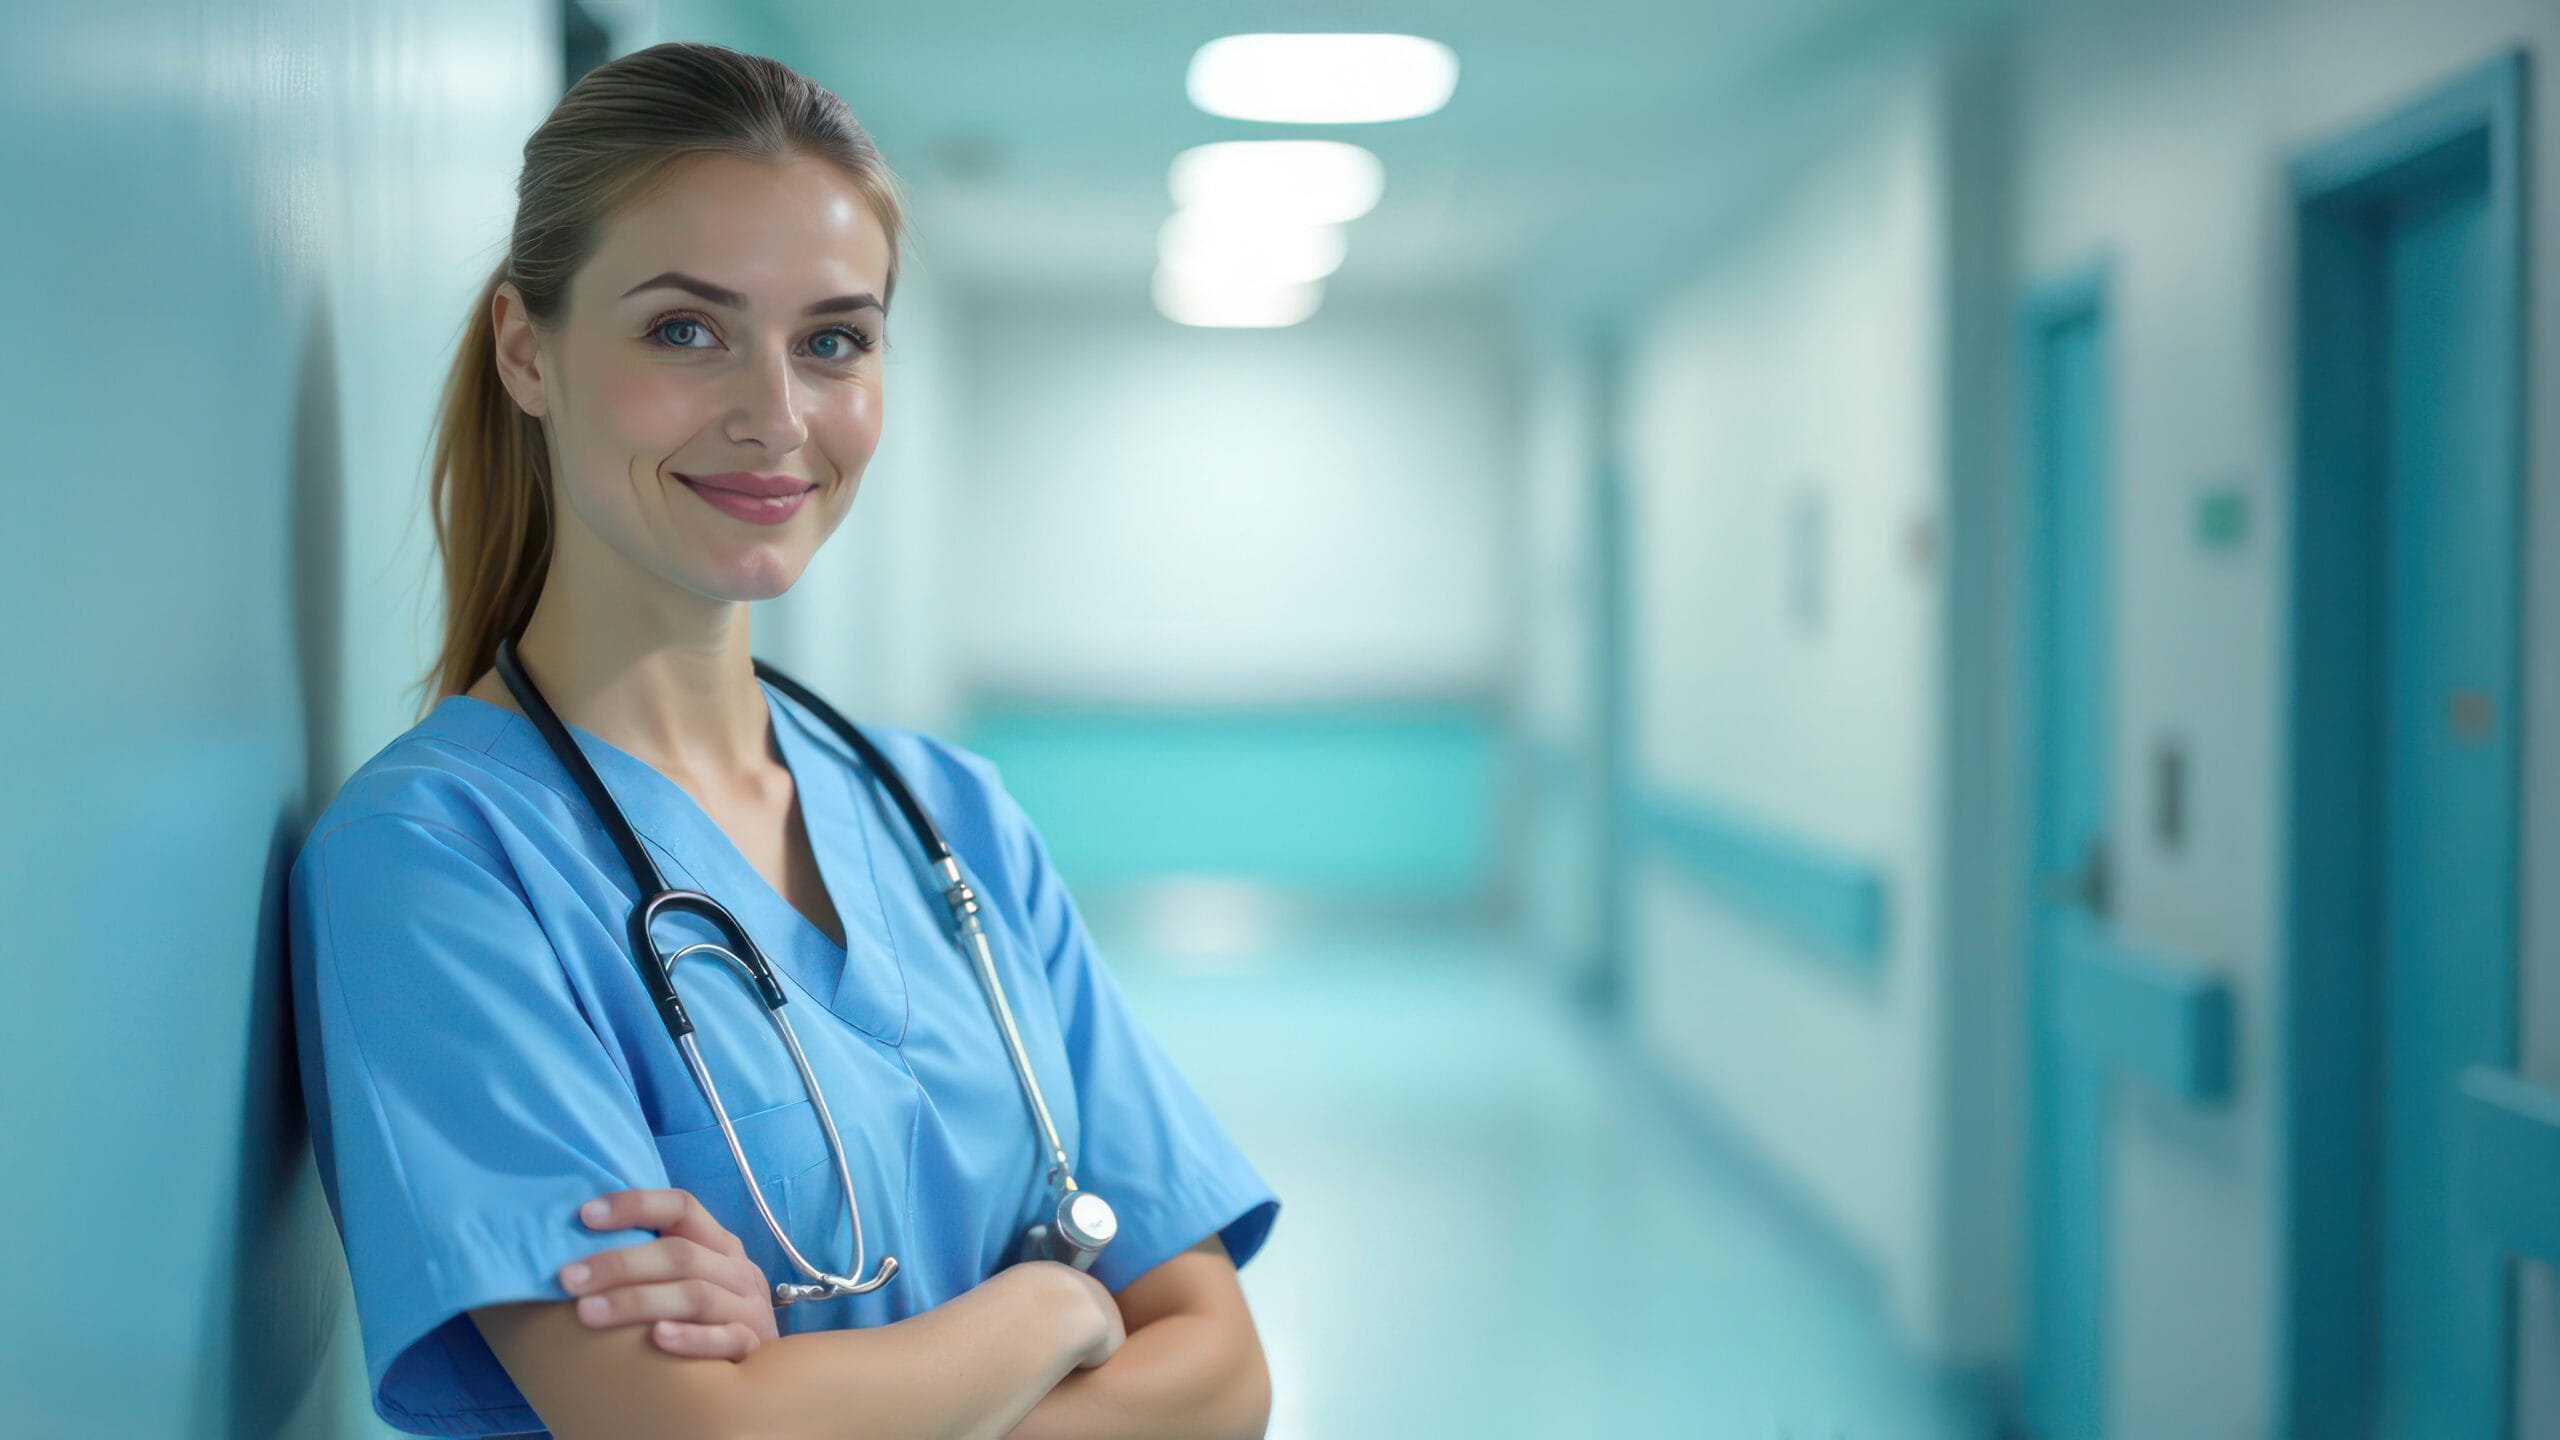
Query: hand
point(694, 1281)
point(1112, 1329)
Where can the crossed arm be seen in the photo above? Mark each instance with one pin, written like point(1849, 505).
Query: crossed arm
point(674, 1337)
point(1191, 1368)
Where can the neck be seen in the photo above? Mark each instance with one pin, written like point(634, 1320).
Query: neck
point(670, 678)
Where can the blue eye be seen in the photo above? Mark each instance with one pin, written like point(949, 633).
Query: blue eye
point(691, 324)
point(862, 344)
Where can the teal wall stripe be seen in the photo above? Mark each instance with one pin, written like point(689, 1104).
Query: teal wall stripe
point(2165, 1019)
point(2508, 1167)
point(1831, 901)
point(1385, 798)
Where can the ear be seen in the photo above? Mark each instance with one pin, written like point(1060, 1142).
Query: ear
point(518, 353)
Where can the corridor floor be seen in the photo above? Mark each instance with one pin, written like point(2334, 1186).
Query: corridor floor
point(1491, 1225)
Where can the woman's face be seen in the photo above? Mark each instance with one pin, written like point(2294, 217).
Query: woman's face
point(659, 397)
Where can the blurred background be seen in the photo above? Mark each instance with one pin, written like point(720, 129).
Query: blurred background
point(1834, 720)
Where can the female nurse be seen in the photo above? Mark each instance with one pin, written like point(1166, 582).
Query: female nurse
point(662, 406)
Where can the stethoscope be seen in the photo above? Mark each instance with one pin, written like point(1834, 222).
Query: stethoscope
point(1080, 1222)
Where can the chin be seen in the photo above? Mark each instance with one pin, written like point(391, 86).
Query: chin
point(756, 576)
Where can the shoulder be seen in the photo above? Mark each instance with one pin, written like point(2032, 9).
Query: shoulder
point(424, 861)
point(430, 788)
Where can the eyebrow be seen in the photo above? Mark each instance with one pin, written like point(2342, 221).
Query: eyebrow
point(718, 295)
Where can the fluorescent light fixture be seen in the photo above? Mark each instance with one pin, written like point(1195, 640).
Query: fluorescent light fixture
point(1190, 301)
point(1278, 182)
point(1212, 247)
point(1322, 79)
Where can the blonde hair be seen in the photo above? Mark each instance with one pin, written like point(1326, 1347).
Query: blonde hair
point(613, 136)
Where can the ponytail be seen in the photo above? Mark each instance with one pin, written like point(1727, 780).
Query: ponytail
point(489, 494)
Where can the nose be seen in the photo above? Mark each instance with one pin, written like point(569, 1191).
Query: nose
point(769, 408)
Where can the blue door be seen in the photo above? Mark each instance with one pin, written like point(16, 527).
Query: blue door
point(2069, 659)
point(2401, 954)
point(2448, 893)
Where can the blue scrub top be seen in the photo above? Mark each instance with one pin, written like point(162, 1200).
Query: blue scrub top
point(479, 1057)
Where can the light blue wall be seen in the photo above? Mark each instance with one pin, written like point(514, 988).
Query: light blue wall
point(245, 233)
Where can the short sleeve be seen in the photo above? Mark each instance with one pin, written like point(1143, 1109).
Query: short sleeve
point(462, 1106)
point(1150, 1145)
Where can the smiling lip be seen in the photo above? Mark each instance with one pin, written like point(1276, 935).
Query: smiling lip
point(755, 509)
point(747, 482)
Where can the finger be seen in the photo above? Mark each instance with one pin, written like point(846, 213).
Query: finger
point(665, 1258)
point(698, 1301)
point(732, 1341)
point(661, 1261)
point(667, 1211)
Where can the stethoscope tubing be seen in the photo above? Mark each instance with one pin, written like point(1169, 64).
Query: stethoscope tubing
point(1081, 1223)
point(822, 1284)
point(956, 892)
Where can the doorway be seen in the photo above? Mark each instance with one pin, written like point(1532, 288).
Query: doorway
point(2402, 804)
point(2070, 655)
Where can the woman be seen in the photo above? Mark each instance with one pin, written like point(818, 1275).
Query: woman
point(663, 405)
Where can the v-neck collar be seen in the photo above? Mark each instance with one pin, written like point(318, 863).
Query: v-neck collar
point(862, 981)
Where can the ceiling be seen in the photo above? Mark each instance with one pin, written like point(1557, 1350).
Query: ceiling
point(1583, 142)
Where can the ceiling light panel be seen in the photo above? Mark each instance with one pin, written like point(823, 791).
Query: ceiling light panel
point(1203, 244)
point(1188, 300)
point(1322, 79)
point(1280, 182)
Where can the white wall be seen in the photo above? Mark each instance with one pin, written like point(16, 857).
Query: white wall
point(2159, 136)
point(1156, 512)
point(1560, 672)
point(1554, 608)
point(1806, 354)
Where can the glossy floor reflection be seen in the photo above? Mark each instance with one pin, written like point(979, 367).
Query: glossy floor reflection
point(1490, 1224)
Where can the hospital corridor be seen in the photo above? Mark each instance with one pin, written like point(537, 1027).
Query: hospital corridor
point(1723, 720)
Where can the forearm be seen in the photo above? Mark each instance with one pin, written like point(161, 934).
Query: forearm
point(1181, 1377)
point(968, 1369)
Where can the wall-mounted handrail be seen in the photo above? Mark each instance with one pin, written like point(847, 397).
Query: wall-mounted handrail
point(1832, 901)
point(2155, 1014)
point(2507, 1162)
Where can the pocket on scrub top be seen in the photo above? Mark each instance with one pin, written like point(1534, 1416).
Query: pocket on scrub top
point(781, 1144)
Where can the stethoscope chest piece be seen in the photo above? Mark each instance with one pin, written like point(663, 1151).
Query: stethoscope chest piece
point(1075, 1232)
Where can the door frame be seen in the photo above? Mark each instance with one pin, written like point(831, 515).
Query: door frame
point(2082, 294)
point(2331, 1020)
